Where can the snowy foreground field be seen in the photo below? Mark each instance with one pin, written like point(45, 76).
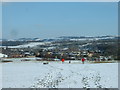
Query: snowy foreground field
point(34, 74)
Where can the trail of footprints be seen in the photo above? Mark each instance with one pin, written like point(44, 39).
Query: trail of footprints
point(49, 81)
point(95, 79)
point(53, 79)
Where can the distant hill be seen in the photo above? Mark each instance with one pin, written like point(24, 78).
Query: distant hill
point(20, 41)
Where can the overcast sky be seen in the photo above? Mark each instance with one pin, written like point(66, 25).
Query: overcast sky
point(50, 19)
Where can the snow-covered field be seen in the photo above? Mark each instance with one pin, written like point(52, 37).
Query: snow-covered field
point(0, 76)
point(35, 74)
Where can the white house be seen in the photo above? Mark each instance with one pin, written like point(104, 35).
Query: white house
point(3, 55)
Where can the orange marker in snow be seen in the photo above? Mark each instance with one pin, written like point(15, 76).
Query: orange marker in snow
point(83, 60)
point(63, 60)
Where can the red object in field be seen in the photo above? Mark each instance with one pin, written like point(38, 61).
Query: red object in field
point(63, 60)
point(83, 59)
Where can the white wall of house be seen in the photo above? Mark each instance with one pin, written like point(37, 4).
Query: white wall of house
point(3, 55)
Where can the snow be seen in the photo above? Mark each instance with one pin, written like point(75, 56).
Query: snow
point(0, 76)
point(32, 44)
point(34, 74)
point(92, 38)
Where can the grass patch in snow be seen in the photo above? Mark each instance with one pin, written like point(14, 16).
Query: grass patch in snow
point(6, 61)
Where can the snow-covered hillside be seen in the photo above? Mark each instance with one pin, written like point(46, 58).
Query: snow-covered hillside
point(32, 44)
point(34, 74)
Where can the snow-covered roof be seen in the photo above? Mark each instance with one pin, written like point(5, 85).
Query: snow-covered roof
point(3, 55)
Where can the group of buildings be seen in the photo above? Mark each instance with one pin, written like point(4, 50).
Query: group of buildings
point(54, 54)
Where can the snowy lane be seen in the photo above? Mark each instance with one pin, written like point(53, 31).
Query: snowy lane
point(58, 75)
